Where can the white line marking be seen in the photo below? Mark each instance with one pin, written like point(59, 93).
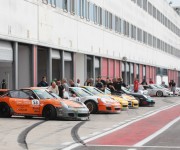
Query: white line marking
point(166, 147)
point(122, 126)
point(157, 133)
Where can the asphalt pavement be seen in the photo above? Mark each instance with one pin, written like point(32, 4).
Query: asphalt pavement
point(19, 133)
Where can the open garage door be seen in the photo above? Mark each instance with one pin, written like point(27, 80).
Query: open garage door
point(6, 59)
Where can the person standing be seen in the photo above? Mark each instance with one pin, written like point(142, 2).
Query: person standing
point(72, 84)
point(144, 82)
point(78, 82)
point(3, 84)
point(173, 87)
point(61, 89)
point(118, 85)
point(136, 85)
point(99, 84)
point(65, 85)
point(151, 81)
point(43, 82)
point(54, 88)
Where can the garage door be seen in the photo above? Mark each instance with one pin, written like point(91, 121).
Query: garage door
point(6, 52)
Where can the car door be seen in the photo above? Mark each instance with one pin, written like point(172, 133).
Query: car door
point(150, 90)
point(33, 102)
point(19, 102)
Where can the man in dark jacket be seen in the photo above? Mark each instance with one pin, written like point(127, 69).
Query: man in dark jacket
point(43, 83)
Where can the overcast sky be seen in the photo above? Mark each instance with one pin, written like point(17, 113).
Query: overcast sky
point(175, 2)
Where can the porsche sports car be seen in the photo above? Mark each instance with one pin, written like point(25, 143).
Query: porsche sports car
point(144, 100)
point(94, 103)
point(38, 102)
point(132, 102)
point(97, 92)
point(141, 89)
point(157, 90)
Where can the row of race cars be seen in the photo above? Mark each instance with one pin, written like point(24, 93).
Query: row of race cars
point(156, 90)
point(77, 104)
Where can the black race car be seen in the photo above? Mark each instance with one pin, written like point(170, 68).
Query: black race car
point(144, 100)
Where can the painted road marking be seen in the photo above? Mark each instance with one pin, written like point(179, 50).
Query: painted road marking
point(157, 133)
point(121, 125)
point(139, 130)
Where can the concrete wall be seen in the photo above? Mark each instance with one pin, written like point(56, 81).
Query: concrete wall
point(34, 22)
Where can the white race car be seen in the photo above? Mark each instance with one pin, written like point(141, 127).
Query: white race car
point(141, 89)
point(157, 90)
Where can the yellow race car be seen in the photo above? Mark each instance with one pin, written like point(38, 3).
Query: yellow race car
point(132, 102)
point(95, 91)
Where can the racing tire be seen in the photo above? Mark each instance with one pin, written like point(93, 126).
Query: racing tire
point(28, 117)
point(92, 106)
point(159, 94)
point(5, 111)
point(49, 112)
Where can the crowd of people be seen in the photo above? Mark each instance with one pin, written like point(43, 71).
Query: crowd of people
point(59, 86)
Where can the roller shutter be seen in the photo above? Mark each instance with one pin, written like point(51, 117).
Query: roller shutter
point(6, 52)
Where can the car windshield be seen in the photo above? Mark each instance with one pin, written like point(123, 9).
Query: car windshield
point(43, 94)
point(158, 86)
point(107, 91)
point(94, 90)
point(81, 92)
point(153, 86)
point(125, 90)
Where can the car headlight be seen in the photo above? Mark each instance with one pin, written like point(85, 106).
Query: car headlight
point(65, 105)
point(104, 100)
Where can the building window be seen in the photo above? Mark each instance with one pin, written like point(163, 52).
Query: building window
point(124, 27)
point(149, 39)
point(82, 8)
point(149, 8)
point(65, 5)
point(100, 15)
point(145, 5)
point(110, 21)
point(106, 19)
point(95, 14)
point(88, 11)
point(139, 35)
point(72, 6)
point(127, 28)
point(154, 12)
point(117, 24)
point(144, 37)
point(154, 42)
point(139, 2)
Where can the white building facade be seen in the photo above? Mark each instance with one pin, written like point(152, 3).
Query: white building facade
point(86, 38)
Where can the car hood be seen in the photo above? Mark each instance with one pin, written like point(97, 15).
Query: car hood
point(73, 103)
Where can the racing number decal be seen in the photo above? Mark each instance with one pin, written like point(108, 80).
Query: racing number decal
point(35, 102)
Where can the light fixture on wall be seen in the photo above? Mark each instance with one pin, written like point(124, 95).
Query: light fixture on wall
point(124, 58)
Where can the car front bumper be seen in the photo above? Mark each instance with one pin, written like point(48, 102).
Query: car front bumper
point(73, 113)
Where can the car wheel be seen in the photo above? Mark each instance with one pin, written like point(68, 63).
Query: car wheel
point(92, 106)
point(159, 94)
point(28, 117)
point(5, 111)
point(49, 112)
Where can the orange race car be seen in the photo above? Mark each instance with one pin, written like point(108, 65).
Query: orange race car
point(39, 102)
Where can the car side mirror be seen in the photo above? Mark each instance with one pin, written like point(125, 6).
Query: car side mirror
point(31, 97)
